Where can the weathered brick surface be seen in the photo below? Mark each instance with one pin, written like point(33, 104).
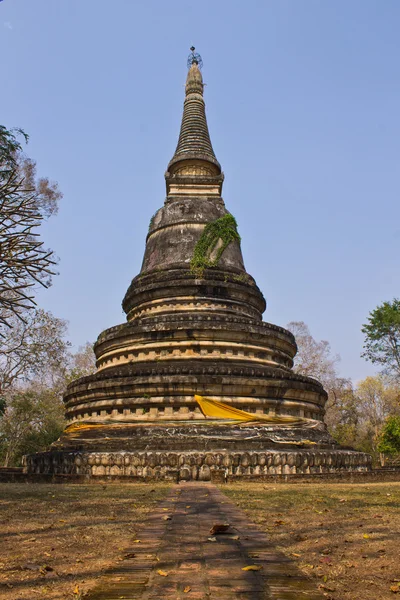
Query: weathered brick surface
point(180, 548)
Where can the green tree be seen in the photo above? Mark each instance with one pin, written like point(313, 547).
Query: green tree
point(382, 338)
point(377, 399)
point(33, 419)
point(34, 380)
point(389, 442)
point(354, 414)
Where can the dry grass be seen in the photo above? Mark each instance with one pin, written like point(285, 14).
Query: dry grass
point(57, 539)
point(345, 536)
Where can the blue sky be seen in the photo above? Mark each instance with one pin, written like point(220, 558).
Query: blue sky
point(303, 108)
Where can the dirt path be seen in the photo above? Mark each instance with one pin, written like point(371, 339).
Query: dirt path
point(176, 556)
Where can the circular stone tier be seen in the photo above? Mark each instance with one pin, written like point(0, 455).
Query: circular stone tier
point(151, 367)
point(145, 393)
point(227, 292)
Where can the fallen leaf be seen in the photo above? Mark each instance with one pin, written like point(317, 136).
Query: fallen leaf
point(163, 573)
point(252, 568)
point(212, 539)
point(187, 589)
point(76, 590)
point(50, 574)
point(219, 528)
point(31, 567)
point(129, 555)
point(395, 589)
point(325, 587)
point(137, 541)
point(366, 536)
point(166, 518)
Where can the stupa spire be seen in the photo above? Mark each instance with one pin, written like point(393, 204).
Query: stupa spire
point(194, 154)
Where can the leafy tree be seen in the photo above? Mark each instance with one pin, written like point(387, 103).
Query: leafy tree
point(37, 373)
point(33, 419)
point(25, 202)
point(382, 337)
point(389, 442)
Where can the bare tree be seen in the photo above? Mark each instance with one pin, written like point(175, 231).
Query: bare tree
point(33, 348)
point(315, 359)
point(82, 363)
point(25, 202)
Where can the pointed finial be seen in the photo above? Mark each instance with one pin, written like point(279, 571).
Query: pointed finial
point(194, 58)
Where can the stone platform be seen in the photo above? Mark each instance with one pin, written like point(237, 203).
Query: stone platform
point(196, 451)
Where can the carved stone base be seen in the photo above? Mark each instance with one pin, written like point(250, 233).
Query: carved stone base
point(199, 450)
point(195, 465)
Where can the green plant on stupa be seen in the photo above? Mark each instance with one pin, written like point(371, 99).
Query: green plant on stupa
point(224, 229)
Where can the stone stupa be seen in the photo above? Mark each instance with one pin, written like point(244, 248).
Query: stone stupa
point(194, 326)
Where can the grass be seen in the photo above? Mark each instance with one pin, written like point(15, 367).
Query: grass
point(56, 540)
point(345, 536)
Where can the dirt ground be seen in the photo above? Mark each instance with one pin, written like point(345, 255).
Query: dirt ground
point(55, 540)
point(345, 536)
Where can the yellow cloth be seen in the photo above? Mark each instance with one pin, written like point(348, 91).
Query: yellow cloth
point(220, 410)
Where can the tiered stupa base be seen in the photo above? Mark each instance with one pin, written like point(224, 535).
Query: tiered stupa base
point(201, 450)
